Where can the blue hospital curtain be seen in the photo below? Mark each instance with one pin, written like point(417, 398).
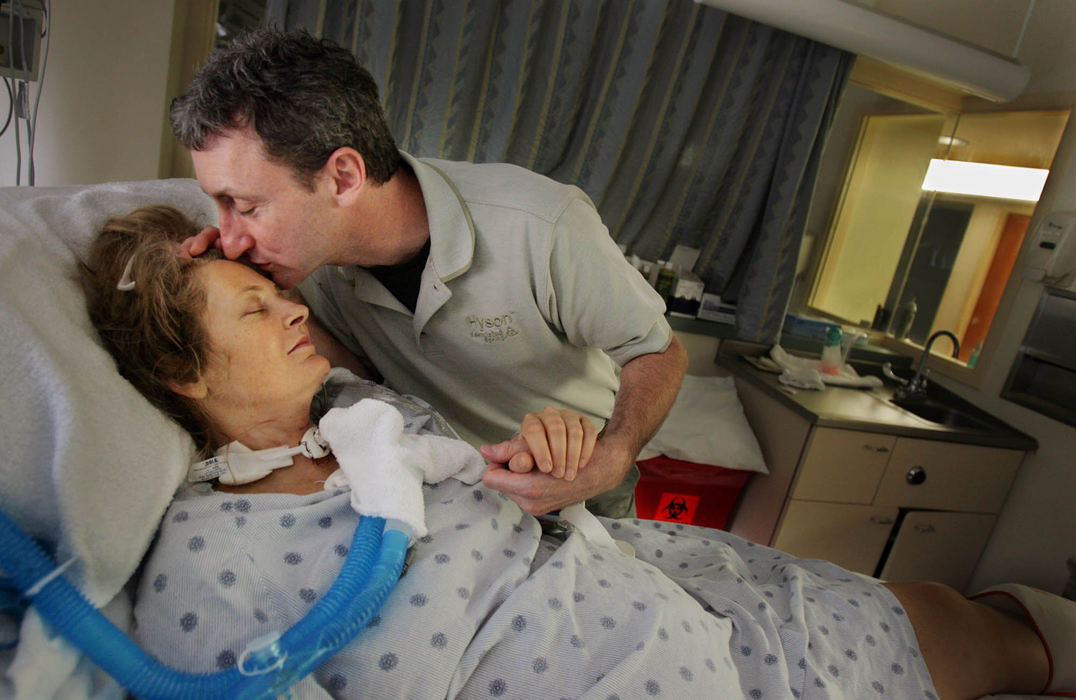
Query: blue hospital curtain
point(685, 124)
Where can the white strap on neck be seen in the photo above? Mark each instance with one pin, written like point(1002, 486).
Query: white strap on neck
point(235, 463)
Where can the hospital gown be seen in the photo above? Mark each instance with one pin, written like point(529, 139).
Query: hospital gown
point(490, 607)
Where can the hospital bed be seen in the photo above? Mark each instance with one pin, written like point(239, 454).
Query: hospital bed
point(88, 466)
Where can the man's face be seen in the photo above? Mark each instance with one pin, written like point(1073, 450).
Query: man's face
point(265, 213)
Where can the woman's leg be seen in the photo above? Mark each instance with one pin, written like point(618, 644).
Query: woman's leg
point(972, 649)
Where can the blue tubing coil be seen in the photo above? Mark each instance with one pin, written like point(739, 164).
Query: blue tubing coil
point(370, 572)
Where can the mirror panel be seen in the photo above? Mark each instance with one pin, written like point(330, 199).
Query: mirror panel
point(908, 261)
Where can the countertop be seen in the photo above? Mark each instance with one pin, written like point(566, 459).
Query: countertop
point(870, 410)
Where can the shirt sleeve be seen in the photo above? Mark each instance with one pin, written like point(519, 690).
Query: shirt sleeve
point(595, 296)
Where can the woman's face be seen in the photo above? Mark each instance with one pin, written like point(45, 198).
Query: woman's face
point(261, 362)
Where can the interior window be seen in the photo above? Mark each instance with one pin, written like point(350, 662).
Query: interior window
point(928, 216)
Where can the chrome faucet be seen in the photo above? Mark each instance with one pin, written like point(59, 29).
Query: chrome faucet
point(916, 386)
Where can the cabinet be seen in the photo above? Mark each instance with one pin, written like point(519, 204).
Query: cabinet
point(896, 507)
point(886, 504)
point(852, 536)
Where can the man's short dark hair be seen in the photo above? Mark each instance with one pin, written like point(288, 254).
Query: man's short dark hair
point(304, 97)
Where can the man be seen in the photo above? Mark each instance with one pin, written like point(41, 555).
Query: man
point(487, 289)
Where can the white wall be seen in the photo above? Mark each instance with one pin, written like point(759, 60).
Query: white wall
point(1037, 529)
point(103, 101)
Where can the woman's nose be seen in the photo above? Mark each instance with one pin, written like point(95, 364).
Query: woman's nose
point(297, 313)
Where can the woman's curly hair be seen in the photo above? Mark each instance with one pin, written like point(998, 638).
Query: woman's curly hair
point(153, 330)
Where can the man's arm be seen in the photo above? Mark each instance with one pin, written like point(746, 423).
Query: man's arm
point(648, 387)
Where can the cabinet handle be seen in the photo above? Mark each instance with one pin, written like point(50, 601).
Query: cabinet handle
point(924, 528)
point(916, 475)
point(880, 448)
point(881, 520)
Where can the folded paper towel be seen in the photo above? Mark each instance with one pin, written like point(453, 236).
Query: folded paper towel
point(805, 373)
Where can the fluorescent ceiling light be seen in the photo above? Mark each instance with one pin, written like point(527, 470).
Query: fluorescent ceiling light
point(985, 179)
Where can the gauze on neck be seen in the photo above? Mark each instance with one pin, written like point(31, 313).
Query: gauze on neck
point(235, 463)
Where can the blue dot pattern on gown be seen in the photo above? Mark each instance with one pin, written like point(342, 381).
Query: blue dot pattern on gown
point(492, 608)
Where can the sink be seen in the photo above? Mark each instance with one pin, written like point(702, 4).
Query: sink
point(937, 404)
point(942, 414)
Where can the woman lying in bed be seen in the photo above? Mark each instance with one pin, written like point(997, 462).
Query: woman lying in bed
point(491, 606)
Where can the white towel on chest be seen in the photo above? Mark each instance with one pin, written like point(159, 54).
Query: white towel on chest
point(386, 467)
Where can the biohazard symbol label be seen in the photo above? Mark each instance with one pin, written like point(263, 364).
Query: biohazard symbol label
point(677, 508)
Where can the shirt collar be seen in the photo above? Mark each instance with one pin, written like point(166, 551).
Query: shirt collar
point(451, 228)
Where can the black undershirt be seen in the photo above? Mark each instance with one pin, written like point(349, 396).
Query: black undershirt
point(404, 280)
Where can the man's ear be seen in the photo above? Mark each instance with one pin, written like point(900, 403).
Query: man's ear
point(346, 171)
point(195, 390)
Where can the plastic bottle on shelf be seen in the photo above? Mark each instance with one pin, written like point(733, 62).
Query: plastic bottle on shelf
point(974, 357)
point(902, 324)
point(652, 277)
point(831, 351)
point(666, 281)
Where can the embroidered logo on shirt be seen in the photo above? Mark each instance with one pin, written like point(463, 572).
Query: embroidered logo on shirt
point(492, 329)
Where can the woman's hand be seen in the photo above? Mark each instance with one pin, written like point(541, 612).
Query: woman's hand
point(557, 442)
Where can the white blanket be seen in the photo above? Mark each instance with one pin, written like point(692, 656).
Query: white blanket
point(88, 466)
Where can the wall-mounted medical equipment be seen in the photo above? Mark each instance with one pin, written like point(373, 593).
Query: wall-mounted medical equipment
point(20, 39)
point(1051, 254)
point(1043, 375)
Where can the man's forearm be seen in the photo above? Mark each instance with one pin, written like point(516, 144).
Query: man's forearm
point(648, 387)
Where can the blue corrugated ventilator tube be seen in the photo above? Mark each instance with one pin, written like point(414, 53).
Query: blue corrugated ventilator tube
point(270, 665)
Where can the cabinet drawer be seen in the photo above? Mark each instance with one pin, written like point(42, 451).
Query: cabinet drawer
point(842, 465)
point(934, 546)
point(948, 476)
point(852, 536)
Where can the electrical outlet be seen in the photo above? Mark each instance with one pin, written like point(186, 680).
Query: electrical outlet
point(20, 40)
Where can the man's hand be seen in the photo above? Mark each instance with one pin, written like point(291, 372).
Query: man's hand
point(205, 239)
point(648, 386)
point(538, 492)
point(557, 442)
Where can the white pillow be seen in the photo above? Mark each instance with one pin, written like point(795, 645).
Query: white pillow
point(89, 466)
point(707, 425)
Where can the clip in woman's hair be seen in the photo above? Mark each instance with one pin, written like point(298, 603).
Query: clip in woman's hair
point(126, 284)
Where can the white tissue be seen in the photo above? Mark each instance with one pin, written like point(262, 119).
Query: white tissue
point(386, 467)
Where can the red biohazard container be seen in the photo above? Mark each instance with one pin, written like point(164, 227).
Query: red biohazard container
point(687, 492)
